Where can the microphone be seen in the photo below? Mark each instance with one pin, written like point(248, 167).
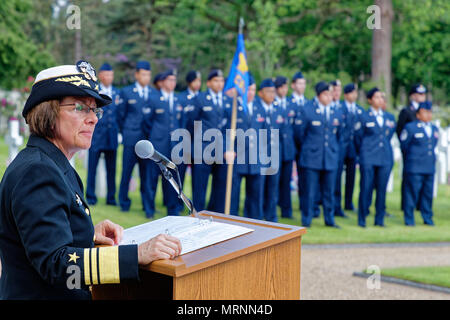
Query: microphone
point(145, 150)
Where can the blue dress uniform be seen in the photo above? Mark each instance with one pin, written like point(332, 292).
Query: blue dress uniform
point(185, 100)
point(418, 143)
point(104, 140)
point(164, 117)
point(247, 163)
point(288, 156)
point(46, 231)
point(319, 139)
point(209, 108)
point(270, 182)
point(407, 115)
point(297, 103)
point(376, 160)
point(130, 115)
point(348, 155)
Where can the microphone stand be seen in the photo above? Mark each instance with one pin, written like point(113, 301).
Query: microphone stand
point(177, 186)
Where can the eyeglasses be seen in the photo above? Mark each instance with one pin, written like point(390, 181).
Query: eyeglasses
point(83, 109)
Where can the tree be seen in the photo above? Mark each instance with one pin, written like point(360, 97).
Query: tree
point(20, 57)
point(382, 47)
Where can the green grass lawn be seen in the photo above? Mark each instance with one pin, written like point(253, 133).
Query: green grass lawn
point(439, 276)
point(318, 233)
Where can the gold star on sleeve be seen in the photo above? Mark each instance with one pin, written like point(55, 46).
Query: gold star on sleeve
point(73, 257)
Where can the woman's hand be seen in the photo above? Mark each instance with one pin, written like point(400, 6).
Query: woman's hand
point(107, 232)
point(160, 247)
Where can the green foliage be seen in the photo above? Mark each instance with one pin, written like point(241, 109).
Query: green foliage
point(323, 38)
point(420, 45)
point(19, 57)
point(265, 41)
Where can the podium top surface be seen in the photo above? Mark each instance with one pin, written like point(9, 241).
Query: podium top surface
point(265, 234)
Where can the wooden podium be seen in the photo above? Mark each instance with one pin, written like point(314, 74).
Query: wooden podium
point(261, 265)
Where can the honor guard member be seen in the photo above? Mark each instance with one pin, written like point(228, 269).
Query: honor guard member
point(208, 111)
point(275, 127)
point(104, 139)
point(186, 100)
point(350, 112)
point(164, 117)
point(46, 233)
point(418, 141)
point(384, 108)
point(298, 86)
point(289, 150)
point(417, 94)
point(298, 101)
point(247, 164)
point(373, 133)
point(318, 131)
point(187, 97)
point(157, 81)
point(131, 112)
point(336, 92)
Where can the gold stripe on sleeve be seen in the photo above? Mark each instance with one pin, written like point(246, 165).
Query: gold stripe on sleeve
point(94, 265)
point(109, 264)
point(87, 271)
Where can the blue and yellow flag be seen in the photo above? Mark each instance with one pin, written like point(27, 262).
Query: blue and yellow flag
point(238, 76)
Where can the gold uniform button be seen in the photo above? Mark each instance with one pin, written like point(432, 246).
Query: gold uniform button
point(87, 211)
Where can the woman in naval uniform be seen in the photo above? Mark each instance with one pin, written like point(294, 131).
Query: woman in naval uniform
point(46, 233)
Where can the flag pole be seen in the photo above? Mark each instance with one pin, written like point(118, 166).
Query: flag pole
point(231, 150)
point(232, 138)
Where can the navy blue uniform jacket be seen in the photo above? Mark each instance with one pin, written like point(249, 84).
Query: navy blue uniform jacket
point(373, 142)
point(319, 139)
point(418, 148)
point(46, 231)
point(107, 128)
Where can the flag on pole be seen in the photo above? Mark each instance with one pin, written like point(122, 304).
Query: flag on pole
point(238, 76)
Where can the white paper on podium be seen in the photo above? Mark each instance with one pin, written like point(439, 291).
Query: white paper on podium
point(193, 233)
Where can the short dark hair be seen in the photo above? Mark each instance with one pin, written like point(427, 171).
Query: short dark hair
point(42, 119)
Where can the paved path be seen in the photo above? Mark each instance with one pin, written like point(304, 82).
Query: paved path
point(327, 270)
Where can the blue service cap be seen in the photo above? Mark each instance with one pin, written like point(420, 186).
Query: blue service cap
point(335, 83)
point(105, 67)
point(157, 78)
point(251, 80)
point(280, 81)
point(215, 73)
point(349, 88)
point(418, 88)
point(321, 87)
point(266, 83)
point(167, 73)
point(143, 65)
point(298, 75)
point(371, 92)
point(192, 75)
point(425, 105)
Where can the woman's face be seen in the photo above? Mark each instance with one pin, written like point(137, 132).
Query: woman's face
point(377, 100)
point(74, 129)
